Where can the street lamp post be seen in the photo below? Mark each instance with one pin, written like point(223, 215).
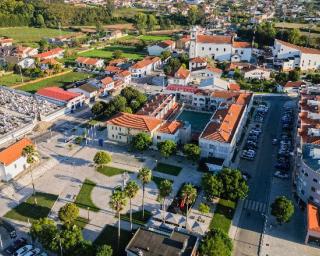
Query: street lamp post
point(125, 178)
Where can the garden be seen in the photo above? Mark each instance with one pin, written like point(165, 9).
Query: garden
point(83, 199)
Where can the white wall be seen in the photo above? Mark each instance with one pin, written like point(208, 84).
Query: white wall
point(10, 171)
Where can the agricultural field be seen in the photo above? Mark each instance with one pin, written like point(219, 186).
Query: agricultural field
point(129, 12)
point(30, 35)
point(151, 38)
point(296, 25)
point(129, 52)
point(12, 79)
point(60, 81)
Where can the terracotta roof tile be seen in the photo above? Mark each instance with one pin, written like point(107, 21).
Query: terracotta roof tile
point(107, 80)
point(198, 60)
point(138, 122)
point(300, 48)
point(145, 62)
point(215, 70)
point(182, 73)
point(57, 93)
point(234, 87)
point(14, 152)
point(294, 84)
point(113, 69)
point(170, 127)
point(214, 39)
point(49, 53)
point(241, 45)
point(88, 61)
point(313, 218)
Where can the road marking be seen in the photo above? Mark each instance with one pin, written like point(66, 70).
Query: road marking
point(246, 204)
point(255, 206)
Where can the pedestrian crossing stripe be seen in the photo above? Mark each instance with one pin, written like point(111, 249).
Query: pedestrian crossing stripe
point(255, 206)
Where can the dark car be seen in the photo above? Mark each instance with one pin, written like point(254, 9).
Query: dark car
point(16, 245)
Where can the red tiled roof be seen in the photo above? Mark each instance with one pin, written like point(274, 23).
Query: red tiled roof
point(165, 43)
point(294, 84)
point(113, 69)
point(125, 73)
point(88, 61)
point(6, 40)
point(182, 73)
point(198, 60)
point(313, 218)
point(138, 122)
point(215, 70)
point(224, 94)
point(50, 61)
point(145, 62)
point(14, 152)
point(107, 80)
point(241, 45)
point(175, 87)
point(234, 87)
point(170, 127)
point(57, 93)
point(49, 53)
point(214, 39)
point(243, 98)
point(117, 61)
point(300, 48)
point(185, 39)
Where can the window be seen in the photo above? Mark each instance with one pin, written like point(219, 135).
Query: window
point(306, 174)
point(202, 48)
point(311, 198)
point(315, 180)
point(224, 49)
point(217, 49)
point(210, 49)
point(158, 137)
point(15, 166)
point(313, 189)
point(302, 191)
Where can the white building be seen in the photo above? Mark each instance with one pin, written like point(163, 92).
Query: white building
point(157, 49)
point(221, 134)
point(181, 77)
point(218, 47)
point(256, 73)
point(144, 67)
point(24, 52)
point(106, 84)
point(89, 91)
point(12, 162)
point(124, 76)
point(89, 63)
point(56, 53)
point(289, 56)
point(5, 42)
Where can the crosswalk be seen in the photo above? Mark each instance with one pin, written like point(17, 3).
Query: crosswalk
point(255, 206)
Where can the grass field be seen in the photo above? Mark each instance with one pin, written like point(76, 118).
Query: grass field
point(30, 210)
point(110, 171)
point(137, 217)
point(83, 199)
point(154, 37)
point(158, 180)
point(128, 12)
point(168, 169)
point(223, 215)
point(12, 79)
point(60, 81)
point(29, 35)
point(109, 235)
point(106, 53)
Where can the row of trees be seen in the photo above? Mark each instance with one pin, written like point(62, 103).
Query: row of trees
point(130, 100)
point(66, 239)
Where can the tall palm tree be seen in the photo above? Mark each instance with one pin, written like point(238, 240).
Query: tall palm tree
point(144, 176)
point(117, 202)
point(165, 190)
point(32, 156)
point(131, 191)
point(189, 195)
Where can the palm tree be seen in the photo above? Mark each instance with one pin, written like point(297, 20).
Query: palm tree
point(117, 203)
point(131, 191)
point(144, 176)
point(32, 156)
point(189, 195)
point(165, 190)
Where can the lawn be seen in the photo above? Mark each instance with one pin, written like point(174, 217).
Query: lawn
point(12, 79)
point(30, 210)
point(129, 52)
point(29, 35)
point(110, 171)
point(109, 235)
point(81, 222)
point(223, 215)
point(154, 37)
point(137, 217)
point(158, 180)
point(168, 169)
point(60, 81)
point(83, 199)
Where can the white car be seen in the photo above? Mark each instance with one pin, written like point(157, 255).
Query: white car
point(281, 175)
point(34, 251)
point(23, 250)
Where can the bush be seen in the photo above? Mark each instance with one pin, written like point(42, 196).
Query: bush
point(102, 157)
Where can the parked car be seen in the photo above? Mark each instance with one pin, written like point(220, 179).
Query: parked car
point(281, 175)
point(32, 252)
point(16, 245)
point(21, 251)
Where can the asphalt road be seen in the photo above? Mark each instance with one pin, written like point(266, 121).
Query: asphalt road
point(251, 222)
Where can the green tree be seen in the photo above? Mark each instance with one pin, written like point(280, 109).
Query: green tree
point(165, 55)
point(40, 21)
point(83, 248)
point(294, 75)
point(189, 195)
point(141, 141)
point(283, 209)
point(98, 108)
point(212, 185)
point(43, 45)
point(140, 22)
point(204, 208)
point(294, 36)
point(165, 190)
point(234, 186)
point(104, 250)
point(101, 158)
point(68, 213)
point(117, 202)
point(193, 15)
point(144, 176)
point(117, 54)
point(216, 243)
point(128, 110)
point(167, 147)
point(70, 238)
point(152, 22)
point(31, 154)
point(131, 191)
point(192, 151)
